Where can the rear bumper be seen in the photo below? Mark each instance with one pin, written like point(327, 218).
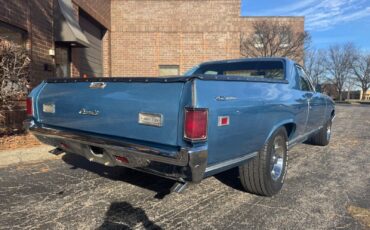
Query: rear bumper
point(187, 164)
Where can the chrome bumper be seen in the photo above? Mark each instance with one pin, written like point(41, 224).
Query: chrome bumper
point(187, 164)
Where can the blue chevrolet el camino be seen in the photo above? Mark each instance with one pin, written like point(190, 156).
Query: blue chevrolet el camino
point(242, 113)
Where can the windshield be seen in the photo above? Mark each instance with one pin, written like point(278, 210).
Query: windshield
point(248, 69)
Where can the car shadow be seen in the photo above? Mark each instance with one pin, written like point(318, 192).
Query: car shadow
point(122, 215)
point(230, 178)
point(161, 186)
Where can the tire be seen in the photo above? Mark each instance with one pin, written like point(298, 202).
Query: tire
point(264, 175)
point(321, 138)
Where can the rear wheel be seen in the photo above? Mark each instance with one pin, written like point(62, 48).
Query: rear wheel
point(322, 137)
point(264, 175)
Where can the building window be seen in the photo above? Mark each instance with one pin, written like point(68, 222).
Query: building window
point(284, 40)
point(62, 61)
point(258, 40)
point(169, 70)
point(12, 34)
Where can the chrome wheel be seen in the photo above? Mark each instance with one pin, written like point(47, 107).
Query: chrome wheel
point(328, 131)
point(264, 174)
point(277, 158)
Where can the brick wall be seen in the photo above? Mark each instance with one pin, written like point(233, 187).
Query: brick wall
point(36, 18)
point(41, 40)
point(15, 13)
point(146, 34)
point(38, 25)
point(98, 9)
point(142, 34)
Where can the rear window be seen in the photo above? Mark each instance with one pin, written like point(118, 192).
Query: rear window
point(248, 69)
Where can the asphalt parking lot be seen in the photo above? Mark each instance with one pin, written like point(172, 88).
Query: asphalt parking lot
point(326, 188)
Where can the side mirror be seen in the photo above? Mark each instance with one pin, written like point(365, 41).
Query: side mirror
point(318, 88)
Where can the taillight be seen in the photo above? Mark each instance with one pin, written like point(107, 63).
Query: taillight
point(29, 106)
point(195, 127)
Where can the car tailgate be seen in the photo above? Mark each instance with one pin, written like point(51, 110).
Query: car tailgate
point(113, 108)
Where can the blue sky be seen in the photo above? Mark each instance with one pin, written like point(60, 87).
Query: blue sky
point(328, 21)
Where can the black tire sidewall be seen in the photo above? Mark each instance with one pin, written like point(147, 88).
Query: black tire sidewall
point(274, 186)
point(322, 138)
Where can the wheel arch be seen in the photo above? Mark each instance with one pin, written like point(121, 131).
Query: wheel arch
point(332, 114)
point(289, 125)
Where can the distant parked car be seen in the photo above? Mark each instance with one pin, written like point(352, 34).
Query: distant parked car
point(237, 113)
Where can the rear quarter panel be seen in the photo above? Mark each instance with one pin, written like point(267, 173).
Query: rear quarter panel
point(255, 110)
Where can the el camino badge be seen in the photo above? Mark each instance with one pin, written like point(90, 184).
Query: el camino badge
point(151, 119)
point(97, 85)
point(48, 108)
point(225, 98)
point(84, 111)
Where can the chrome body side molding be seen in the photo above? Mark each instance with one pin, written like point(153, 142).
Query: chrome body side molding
point(301, 138)
point(230, 163)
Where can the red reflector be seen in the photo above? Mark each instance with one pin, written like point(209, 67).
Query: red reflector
point(224, 120)
point(64, 146)
point(122, 159)
point(196, 124)
point(29, 106)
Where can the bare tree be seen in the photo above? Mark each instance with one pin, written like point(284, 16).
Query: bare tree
point(274, 38)
point(361, 70)
point(14, 75)
point(339, 65)
point(315, 65)
point(350, 85)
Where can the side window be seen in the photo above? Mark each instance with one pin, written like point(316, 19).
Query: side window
point(211, 72)
point(304, 82)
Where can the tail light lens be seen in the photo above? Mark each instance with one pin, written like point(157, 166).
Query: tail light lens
point(29, 106)
point(196, 121)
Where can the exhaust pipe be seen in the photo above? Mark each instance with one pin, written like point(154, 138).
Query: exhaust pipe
point(56, 151)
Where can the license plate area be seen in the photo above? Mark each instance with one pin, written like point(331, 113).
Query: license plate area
point(48, 108)
point(151, 119)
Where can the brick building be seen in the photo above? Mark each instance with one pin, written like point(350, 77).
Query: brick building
point(365, 96)
point(125, 37)
point(32, 23)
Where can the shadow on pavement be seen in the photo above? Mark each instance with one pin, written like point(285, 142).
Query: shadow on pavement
point(122, 215)
point(161, 186)
point(230, 178)
point(154, 183)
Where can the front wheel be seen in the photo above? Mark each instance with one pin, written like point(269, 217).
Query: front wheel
point(264, 175)
point(322, 137)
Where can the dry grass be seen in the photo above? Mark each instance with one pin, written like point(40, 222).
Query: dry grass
point(360, 214)
point(18, 141)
